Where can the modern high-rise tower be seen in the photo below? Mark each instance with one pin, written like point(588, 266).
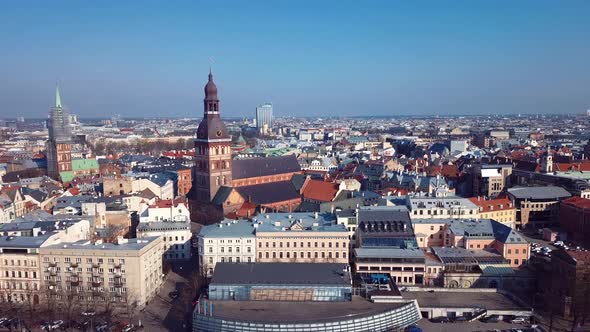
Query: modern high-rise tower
point(59, 144)
point(264, 117)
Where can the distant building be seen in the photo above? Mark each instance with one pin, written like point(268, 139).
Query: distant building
point(264, 117)
point(59, 145)
point(537, 207)
point(489, 179)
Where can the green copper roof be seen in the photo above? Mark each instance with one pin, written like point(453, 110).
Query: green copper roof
point(57, 97)
point(66, 176)
point(84, 164)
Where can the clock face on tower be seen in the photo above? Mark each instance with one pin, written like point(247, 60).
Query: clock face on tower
point(218, 133)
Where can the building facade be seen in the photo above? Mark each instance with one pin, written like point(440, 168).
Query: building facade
point(229, 241)
point(264, 118)
point(59, 145)
point(176, 235)
point(300, 238)
point(129, 272)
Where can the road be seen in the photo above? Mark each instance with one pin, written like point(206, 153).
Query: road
point(165, 314)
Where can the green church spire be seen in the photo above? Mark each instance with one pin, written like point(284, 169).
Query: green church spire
point(57, 97)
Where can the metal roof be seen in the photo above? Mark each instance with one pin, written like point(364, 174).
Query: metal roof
point(228, 228)
point(545, 192)
point(307, 274)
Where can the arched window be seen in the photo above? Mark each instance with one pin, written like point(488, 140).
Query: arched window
point(217, 180)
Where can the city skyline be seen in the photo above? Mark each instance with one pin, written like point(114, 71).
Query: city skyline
point(471, 58)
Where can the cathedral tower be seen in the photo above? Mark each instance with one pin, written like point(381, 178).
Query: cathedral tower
point(59, 145)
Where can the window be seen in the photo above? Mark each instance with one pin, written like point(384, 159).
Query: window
point(509, 251)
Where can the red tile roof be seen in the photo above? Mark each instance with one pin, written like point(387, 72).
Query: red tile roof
point(447, 171)
point(577, 201)
point(320, 190)
point(580, 165)
point(167, 203)
point(74, 191)
point(497, 204)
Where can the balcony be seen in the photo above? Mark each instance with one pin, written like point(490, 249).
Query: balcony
point(95, 265)
point(75, 283)
point(53, 264)
point(96, 283)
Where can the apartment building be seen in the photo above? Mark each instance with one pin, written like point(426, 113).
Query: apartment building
point(103, 274)
point(229, 241)
point(20, 243)
point(20, 277)
point(441, 207)
point(500, 209)
point(301, 238)
point(175, 234)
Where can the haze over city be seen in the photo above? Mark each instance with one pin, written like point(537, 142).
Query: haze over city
point(253, 166)
point(309, 58)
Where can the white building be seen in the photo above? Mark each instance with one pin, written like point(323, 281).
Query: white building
point(165, 210)
point(176, 235)
point(7, 212)
point(229, 241)
point(441, 207)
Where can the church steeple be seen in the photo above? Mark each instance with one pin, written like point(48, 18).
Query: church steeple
point(57, 97)
point(211, 102)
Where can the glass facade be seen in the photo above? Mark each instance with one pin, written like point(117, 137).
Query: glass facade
point(264, 115)
point(391, 320)
point(280, 293)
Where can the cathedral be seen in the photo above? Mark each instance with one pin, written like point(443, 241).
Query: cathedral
point(222, 186)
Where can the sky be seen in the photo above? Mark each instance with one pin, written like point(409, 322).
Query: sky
point(310, 58)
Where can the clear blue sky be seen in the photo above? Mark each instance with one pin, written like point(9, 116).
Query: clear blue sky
point(140, 58)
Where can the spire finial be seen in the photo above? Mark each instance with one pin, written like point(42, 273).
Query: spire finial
point(210, 68)
point(57, 97)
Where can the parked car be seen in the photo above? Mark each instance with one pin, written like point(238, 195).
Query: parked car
point(460, 319)
point(519, 320)
point(101, 327)
point(88, 313)
point(441, 319)
point(128, 328)
point(54, 325)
